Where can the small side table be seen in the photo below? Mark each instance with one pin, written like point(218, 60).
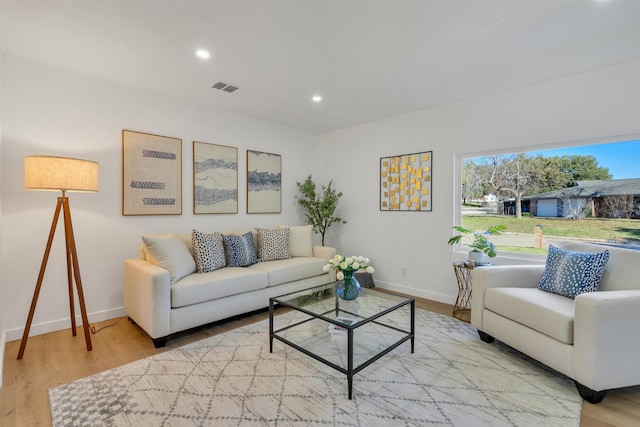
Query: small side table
point(462, 307)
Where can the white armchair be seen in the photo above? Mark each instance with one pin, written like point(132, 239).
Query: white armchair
point(594, 339)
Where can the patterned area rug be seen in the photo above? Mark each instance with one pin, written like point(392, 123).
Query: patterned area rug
point(232, 380)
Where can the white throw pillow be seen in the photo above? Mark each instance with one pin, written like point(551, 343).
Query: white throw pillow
point(169, 252)
point(300, 240)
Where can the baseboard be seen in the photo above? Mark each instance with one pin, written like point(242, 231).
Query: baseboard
point(433, 296)
point(61, 324)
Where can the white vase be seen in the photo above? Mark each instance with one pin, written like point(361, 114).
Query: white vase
point(476, 256)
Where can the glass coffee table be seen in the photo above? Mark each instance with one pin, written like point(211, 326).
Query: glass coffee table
point(345, 335)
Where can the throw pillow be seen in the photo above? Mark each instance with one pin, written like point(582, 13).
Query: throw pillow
point(239, 250)
point(300, 240)
point(169, 252)
point(273, 244)
point(254, 234)
point(208, 251)
point(570, 273)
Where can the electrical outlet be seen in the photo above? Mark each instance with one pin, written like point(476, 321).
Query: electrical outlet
point(403, 271)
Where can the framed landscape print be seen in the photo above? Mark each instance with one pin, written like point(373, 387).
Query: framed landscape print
point(264, 182)
point(215, 178)
point(151, 174)
point(405, 182)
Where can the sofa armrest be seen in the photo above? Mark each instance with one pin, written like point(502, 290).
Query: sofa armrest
point(607, 339)
point(500, 276)
point(147, 296)
point(325, 252)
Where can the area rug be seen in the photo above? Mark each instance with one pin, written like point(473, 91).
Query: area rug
point(232, 379)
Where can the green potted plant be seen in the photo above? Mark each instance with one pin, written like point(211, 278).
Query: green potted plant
point(477, 241)
point(319, 208)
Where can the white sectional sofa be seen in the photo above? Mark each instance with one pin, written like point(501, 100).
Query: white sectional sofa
point(593, 339)
point(164, 293)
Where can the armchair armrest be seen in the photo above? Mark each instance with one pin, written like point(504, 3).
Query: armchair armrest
point(147, 296)
point(607, 339)
point(500, 276)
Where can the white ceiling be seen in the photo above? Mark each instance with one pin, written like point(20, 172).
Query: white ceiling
point(369, 59)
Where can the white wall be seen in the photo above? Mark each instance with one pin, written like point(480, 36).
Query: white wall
point(54, 112)
point(599, 106)
point(2, 333)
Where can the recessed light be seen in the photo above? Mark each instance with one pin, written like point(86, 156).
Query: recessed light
point(316, 98)
point(204, 54)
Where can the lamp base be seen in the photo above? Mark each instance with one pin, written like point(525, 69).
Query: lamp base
point(73, 272)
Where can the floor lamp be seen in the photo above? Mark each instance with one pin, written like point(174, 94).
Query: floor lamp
point(60, 174)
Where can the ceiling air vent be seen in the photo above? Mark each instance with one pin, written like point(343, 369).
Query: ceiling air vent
point(225, 87)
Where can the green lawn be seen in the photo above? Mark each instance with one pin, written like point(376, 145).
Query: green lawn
point(615, 230)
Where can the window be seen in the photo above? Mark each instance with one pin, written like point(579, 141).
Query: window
point(589, 192)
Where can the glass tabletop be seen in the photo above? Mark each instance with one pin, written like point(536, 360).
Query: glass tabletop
point(321, 301)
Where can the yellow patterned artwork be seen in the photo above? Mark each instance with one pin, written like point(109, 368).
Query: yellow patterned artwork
point(405, 182)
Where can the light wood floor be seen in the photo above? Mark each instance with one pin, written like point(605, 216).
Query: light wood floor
point(57, 358)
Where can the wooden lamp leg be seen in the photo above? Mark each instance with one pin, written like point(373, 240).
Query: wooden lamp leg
point(71, 251)
point(72, 306)
point(43, 267)
point(72, 266)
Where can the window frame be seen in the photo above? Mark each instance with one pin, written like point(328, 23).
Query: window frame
point(459, 158)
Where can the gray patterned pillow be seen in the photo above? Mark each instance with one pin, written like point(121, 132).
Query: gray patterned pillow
point(570, 273)
point(208, 251)
point(273, 244)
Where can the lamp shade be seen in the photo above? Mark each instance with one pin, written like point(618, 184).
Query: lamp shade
point(60, 173)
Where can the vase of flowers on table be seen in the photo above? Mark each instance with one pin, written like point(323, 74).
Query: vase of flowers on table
point(348, 287)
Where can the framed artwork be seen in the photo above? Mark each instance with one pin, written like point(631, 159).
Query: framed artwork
point(405, 182)
point(215, 178)
point(264, 182)
point(151, 174)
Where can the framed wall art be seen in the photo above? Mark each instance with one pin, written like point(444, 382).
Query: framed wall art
point(405, 182)
point(151, 174)
point(264, 182)
point(215, 178)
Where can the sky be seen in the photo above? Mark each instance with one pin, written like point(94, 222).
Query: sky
point(621, 158)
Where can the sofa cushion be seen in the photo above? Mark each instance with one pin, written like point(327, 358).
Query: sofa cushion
point(571, 273)
point(290, 270)
point(208, 251)
point(239, 250)
point(547, 313)
point(221, 283)
point(300, 240)
point(169, 252)
point(273, 244)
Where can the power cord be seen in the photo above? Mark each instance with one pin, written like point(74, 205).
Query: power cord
point(95, 331)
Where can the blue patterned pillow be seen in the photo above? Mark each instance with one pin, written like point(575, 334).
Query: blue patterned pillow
point(208, 251)
point(571, 273)
point(239, 249)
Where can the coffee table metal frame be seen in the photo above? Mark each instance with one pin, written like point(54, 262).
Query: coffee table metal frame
point(351, 370)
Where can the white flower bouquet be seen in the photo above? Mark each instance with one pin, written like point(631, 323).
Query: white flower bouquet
point(348, 265)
